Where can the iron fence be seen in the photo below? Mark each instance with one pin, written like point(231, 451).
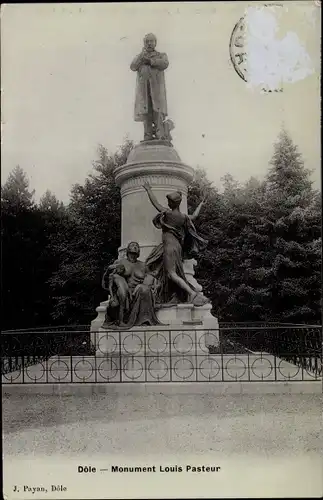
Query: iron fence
point(23, 348)
point(67, 355)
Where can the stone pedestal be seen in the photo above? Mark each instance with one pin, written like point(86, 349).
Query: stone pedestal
point(198, 322)
point(157, 163)
point(187, 314)
point(184, 329)
point(99, 320)
point(170, 315)
point(154, 341)
point(189, 266)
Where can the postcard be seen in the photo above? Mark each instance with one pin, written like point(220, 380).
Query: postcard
point(161, 241)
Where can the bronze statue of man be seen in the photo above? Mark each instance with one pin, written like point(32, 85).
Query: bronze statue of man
point(150, 102)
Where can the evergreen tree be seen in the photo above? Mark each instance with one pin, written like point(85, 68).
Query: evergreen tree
point(245, 208)
point(263, 258)
point(29, 233)
point(15, 194)
point(287, 173)
point(293, 210)
point(50, 204)
point(19, 228)
point(271, 234)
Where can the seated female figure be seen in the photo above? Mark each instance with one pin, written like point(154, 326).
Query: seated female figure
point(131, 292)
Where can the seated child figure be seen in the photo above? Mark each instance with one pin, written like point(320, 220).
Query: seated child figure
point(118, 282)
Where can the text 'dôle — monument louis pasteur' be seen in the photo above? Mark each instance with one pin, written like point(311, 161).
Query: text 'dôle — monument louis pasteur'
point(159, 288)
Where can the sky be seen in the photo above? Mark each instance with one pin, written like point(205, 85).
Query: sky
point(67, 86)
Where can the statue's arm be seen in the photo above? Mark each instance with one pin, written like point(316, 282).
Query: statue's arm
point(196, 212)
point(105, 283)
point(109, 272)
point(148, 279)
point(136, 63)
point(153, 198)
point(160, 62)
point(113, 266)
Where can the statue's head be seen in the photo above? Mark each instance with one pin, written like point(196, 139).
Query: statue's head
point(174, 199)
point(150, 42)
point(133, 251)
point(120, 269)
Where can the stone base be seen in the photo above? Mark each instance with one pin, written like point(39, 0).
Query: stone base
point(187, 314)
point(156, 142)
point(152, 341)
point(99, 320)
point(194, 328)
point(171, 315)
point(189, 266)
point(257, 387)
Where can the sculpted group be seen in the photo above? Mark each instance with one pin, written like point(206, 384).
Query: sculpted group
point(136, 288)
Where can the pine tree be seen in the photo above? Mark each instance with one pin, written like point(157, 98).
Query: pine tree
point(293, 211)
point(263, 258)
point(15, 194)
point(287, 173)
point(29, 236)
point(249, 299)
point(50, 203)
point(20, 234)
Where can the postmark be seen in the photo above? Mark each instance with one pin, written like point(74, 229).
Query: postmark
point(242, 51)
point(237, 47)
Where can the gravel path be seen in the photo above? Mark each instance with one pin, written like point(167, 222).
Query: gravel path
point(237, 424)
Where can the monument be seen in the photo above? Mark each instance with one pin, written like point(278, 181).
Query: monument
point(157, 292)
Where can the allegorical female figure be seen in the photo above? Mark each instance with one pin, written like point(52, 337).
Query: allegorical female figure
point(131, 290)
point(179, 240)
point(150, 102)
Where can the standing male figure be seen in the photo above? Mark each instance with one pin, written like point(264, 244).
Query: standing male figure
point(150, 103)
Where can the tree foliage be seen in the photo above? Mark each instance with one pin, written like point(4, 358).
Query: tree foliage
point(28, 232)
point(90, 241)
point(15, 195)
point(294, 214)
point(263, 261)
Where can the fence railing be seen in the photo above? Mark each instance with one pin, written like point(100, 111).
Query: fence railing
point(69, 355)
point(23, 348)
